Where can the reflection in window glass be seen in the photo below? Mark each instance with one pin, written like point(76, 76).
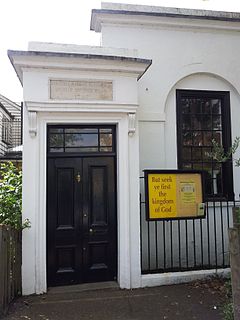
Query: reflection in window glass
point(56, 140)
point(81, 140)
point(105, 139)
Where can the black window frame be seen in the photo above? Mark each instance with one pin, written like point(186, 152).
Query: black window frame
point(227, 168)
point(81, 126)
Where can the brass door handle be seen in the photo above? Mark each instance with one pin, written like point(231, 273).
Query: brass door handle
point(78, 177)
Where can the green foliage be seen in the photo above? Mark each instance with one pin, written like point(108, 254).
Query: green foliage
point(218, 153)
point(11, 196)
point(228, 288)
point(228, 311)
point(228, 306)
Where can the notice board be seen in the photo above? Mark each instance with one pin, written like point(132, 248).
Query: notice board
point(174, 194)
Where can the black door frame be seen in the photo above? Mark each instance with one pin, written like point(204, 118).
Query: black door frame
point(81, 155)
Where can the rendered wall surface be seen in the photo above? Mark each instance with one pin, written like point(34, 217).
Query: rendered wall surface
point(183, 58)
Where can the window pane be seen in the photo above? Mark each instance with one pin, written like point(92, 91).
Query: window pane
point(217, 122)
point(87, 149)
point(207, 138)
point(196, 106)
point(185, 106)
point(56, 140)
point(56, 149)
point(207, 122)
point(187, 138)
point(217, 136)
point(206, 106)
point(106, 149)
point(186, 153)
point(107, 130)
point(81, 140)
point(186, 123)
point(81, 130)
point(197, 154)
point(105, 139)
point(197, 122)
point(197, 138)
point(56, 130)
point(216, 106)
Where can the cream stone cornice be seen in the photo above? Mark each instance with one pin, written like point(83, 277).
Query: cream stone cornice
point(29, 60)
point(80, 106)
point(139, 16)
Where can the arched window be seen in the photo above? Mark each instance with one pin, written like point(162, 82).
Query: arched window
point(201, 117)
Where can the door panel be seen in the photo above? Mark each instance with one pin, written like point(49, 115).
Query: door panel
point(98, 196)
point(81, 220)
point(64, 228)
point(99, 206)
point(65, 198)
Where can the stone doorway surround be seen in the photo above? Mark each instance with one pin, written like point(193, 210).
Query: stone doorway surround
point(79, 85)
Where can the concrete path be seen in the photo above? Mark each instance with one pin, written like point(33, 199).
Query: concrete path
point(199, 300)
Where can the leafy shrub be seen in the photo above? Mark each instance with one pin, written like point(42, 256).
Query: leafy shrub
point(11, 196)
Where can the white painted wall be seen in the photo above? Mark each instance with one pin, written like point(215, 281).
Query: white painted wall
point(183, 58)
point(121, 82)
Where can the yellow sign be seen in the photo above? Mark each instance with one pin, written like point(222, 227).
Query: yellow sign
point(172, 194)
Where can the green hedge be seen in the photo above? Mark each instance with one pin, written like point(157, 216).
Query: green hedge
point(11, 196)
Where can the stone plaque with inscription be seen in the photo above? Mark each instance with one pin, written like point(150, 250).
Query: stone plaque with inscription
point(81, 90)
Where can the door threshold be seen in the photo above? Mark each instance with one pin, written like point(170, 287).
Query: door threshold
point(84, 287)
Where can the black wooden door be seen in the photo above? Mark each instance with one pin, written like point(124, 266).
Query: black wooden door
point(81, 220)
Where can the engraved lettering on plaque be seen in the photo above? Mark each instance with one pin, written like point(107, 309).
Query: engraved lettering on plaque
point(81, 90)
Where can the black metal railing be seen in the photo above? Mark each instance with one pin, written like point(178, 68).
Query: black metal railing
point(189, 244)
point(10, 136)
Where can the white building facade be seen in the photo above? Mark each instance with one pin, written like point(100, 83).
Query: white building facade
point(94, 118)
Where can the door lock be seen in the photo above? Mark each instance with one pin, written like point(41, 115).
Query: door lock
point(78, 177)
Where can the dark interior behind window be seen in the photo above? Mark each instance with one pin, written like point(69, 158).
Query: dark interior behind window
point(201, 117)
